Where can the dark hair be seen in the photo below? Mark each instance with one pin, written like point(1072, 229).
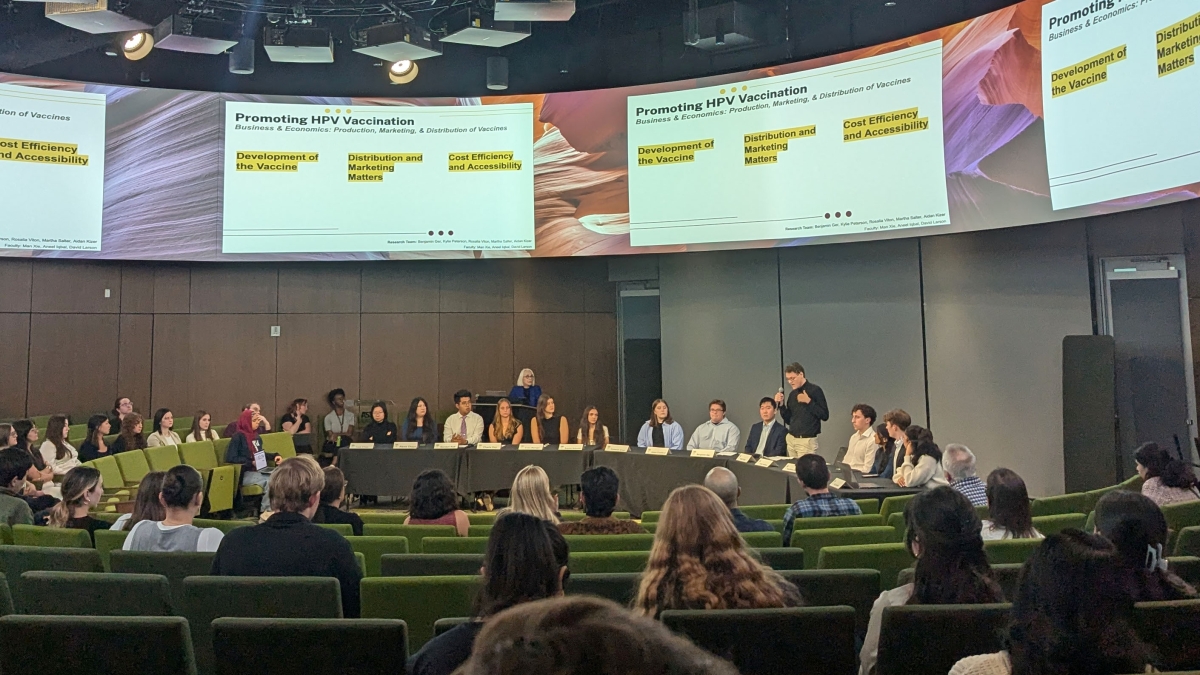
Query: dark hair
point(654, 419)
point(116, 409)
point(600, 487)
point(14, 463)
point(768, 399)
point(94, 423)
point(429, 428)
point(1072, 614)
point(866, 410)
point(23, 428)
point(146, 505)
point(812, 471)
point(158, 418)
point(924, 448)
point(202, 434)
point(335, 482)
point(794, 367)
point(584, 425)
point(295, 405)
point(952, 568)
point(1135, 526)
point(523, 560)
point(54, 434)
point(1160, 464)
point(432, 495)
point(133, 441)
point(180, 485)
point(1008, 503)
point(916, 433)
point(898, 417)
point(333, 393)
point(717, 401)
point(379, 404)
point(458, 395)
point(539, 417)
point(889, 443)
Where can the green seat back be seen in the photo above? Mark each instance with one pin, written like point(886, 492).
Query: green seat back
point(888, 559)
point(1187, 542)
point(620, 587)
point(608, 562)
point(1182, 514)
point(208, 598)
point(199, 455)
point(761, 511)
point(40, 422)
point(782, 558)
point(984, 512)
point(763, 539)
point(353, 646)
point(344, 529)
point(398, 518)
point(762, 641)
point(419, 601)
point(477, 545)
point(93, 644)
point(812, 541)
point(225, 526)
point(892, 505)
point(896, 522)
point(174, 566)
point(1049, 525)
point(1171, 628)
point(1007, 575)
point(17, 560)
point(1010, 550)
point(281, 443)
point(483, 518)
point(650, 516)
point(76, 432)
point(110, 471)
point(58, 537)
point(479, 531)
point(611, 542)
point(414, 533)
point(869, 507)
point(96, 594)
point(220, 446)
point(827, 588)
point(108, 541)
point(429, 564)
point(374, 548)
point(1133, 483)
point(1052, 506)
point(182, 426)
point(6, 601)
point(133, 465)
point(222, 488)
point(5, 534)
point(961, 630)
point(1090, 525)
point(161, 458)
point(1186, 567)
point(1093, 496)
point(826, 522)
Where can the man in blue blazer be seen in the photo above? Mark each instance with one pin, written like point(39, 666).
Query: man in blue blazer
point(775, 444)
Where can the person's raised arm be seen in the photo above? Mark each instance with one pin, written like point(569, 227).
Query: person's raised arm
point(291, 427)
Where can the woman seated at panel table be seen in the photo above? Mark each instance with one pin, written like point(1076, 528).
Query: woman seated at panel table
point(505, 428)
point(591, 430)
point(380, 429)
point(548, 427)
point(660, 431)
point(433, 501)
point(419, 425)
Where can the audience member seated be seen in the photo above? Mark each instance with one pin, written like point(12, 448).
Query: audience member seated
point(1009, 515)
point(94, 447)
point(434, 502)
point(767, 437)
point(718, 433)
point(14, 465)
point(81, 491)
point(179, 498)
point(1167, 479)
point(813, 474)
point(58, 454)
point(464, 426)
point(598, 497)
point(660, 431)
point(27, 437)
point(418, 424)
point(263, 427)
point(922, 467)
point(592, 432)
point(951, 568)
point(897, 423)
point(885, 458)
point(146, 505)
point(164, 421)
point(332, 496)
point(296, 422)
point(548, 426)
point(526, 560)
point(861, 448)
point(958, 463)
point(1073, 614)
point(288, 544)
point(121, 408)
point(17, 436)
point(339, 426)
point(202, 429)
point(245, 448)
point(380, 429)
point(724, 484)
point(1137, 529)
point(130, 437)
point(505, 427)
point(526, 392)
point(531, 495)
point(583, 635)
point(699, 561)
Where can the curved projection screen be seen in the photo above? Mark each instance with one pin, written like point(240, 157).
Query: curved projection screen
point(1030, 114)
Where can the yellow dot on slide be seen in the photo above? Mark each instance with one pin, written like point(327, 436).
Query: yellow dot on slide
point(339, 110)
point(348, 111)
point(722, 91)
point(327, 110)
point(743, 87)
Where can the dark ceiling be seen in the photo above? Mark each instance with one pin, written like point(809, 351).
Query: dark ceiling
point(608, 43)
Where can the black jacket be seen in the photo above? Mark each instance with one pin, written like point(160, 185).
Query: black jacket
point(380, 432)
point(776, 440)
point(241, 452)
point(287, 545)
point(334, 516)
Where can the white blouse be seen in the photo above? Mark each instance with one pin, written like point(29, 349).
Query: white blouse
point(60, 466)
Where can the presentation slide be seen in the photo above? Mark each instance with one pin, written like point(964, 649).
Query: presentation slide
point(848, 148)
point(51, 169)
point(315, 178)
point(1121, 94)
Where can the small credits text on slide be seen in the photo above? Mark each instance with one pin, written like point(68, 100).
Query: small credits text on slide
point(764, 147)
point(672, 153)
point(41, 152)
point(883, 124)
point(1087, 73)
point(369, 167)
point(273, 161)
point(1176, 45)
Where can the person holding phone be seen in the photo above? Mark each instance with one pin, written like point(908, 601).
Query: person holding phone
point(245, 448)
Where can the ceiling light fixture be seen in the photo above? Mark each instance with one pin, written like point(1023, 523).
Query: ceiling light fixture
point(137, 46)
point(403, 71)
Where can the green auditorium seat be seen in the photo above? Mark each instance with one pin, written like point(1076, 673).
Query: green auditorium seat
point(385, 518)
point(429, 564)
point(1008, 575)
point(1187, 567)
point(1049, 525)
point(650, 516)
point(812, 541)
point(174, 566)
point(762, 641)
point(96, 594)
point(6, 601)
point(108, 541)
point(220, 446)
point(1052, 506)
point(84, 645)
point(182, 426)
point(281, 443)
point(1182, 514)
point(1010, 550)
point(344, 529)
point(209, 598)
point(826, 522)
point(782, 558)
point(961, 630)
point(16, 560)
point(607, 562)
point(446, 625)
point(888, 559)
point(477, 545)
point(869, 507)
point(620, 587)
point(484, 518)
point(763, 539)
point(612, 542)
point(133, 465)
point(419, 601)
point(199, 455)
point(1093, 496)
point(222, 488)
point(161, 458)
point(763, 511)
point(892, 505)
point(225, 526)
point(351, 646)
point(984, 512)
point(57, 537)
point(1171, 628)
point(896, 522)
point(5, 534)
point(374, 548)
point(827, 588)
point(479, 531)
point(1133, 483)
point(110, 472)
point(414, 533)
point(1187, 542)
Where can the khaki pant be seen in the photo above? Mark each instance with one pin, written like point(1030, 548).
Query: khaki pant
point(797, 447)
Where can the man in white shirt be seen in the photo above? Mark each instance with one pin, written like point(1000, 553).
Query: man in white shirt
point(860, 451)
point(463, 427)
point(717, 433)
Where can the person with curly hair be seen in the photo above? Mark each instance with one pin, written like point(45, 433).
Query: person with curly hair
point(699, 561)
point(433, 501)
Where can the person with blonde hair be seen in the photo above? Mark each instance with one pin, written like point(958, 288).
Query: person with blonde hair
point(699, 561)
point(526, 392)
point(505, 428)
point(288, 544)
point(82, 488)
point(531, 494)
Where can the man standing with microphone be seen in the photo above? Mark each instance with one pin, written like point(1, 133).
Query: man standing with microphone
point(803, 412)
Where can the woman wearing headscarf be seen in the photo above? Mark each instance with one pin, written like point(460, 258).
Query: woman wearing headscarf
point(244, 447)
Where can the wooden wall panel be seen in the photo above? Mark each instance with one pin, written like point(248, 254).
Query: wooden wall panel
point(548, 286)
point(477, 286)
point(73, 362)
point(172, 289)
point(137, 289)
point(401, 287)
point(600, 380)
point(172, 364)
point(317, 353)
point(16, 278)
point(551, 344)
point(135, 348)
point(14, 363)
point(234, 289)
point(476, 353)
point(77, 287)
point(233, 362)
point(319, 288)
point(400, 358)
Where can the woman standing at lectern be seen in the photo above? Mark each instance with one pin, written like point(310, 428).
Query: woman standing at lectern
point(548, 427)
point(527, 392)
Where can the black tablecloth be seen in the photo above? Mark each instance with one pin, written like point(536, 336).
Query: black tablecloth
point(481, 470)
point(646, 480)
point(384, 471)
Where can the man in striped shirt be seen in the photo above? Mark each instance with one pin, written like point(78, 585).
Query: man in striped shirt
point(958, 462)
